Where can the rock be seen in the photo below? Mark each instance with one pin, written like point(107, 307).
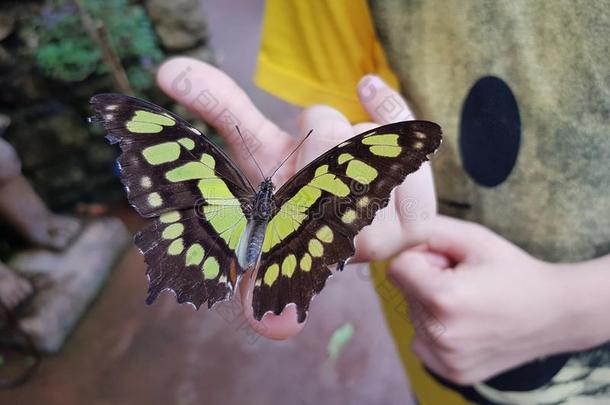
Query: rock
point(179, 24)
point(5, 121)
point(70, 280)
point(6, 59)
point(7, 21)
point(39, 126)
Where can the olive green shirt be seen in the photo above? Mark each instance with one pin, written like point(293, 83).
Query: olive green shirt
point(522, 91)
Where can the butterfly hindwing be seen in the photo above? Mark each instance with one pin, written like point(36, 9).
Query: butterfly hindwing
point(183, 255)
point(322, 208)
point(194, 193)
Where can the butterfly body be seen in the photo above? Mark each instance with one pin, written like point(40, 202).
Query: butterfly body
point(209, 225)
point(258, 213)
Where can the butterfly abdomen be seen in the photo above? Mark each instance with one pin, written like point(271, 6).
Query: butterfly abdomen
point(259, 211)
point(251, 243)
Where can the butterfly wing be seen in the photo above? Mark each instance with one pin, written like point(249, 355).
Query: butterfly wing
point(190, 188)
point(323, 207)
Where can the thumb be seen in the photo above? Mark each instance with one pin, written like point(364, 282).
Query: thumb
point(384, 104)
point(276, 327)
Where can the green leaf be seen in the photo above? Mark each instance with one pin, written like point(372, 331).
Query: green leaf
point(338, 340)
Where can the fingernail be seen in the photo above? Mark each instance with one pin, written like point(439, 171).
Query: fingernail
point(375, 81)
point(368, 86)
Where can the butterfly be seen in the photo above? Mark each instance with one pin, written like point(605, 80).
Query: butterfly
point(210, 225)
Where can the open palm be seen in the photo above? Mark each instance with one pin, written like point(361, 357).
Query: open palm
point(216, 98)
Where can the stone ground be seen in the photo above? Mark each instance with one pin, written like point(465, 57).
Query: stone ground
point(124, 352)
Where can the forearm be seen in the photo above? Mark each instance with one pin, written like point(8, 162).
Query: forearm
point(586, 288)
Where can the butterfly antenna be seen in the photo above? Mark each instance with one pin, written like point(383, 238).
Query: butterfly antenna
point(291, 153)
point(249, 152)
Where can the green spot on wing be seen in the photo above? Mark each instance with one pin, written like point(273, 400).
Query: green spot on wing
point(155, 200)
point(208, 160)
point(315, 248)
point(187, 143)
point(173, 231)
point(325, 234)
point(349, 216)
point(271, 274)
point(331, 183)
point(147, 122)
point(194, 254)
point(344, 157)
point(386, 139)
point(211, 268)
point(176, 247)
point(188, 171)
point(162, 153)
point(289, 265)
point(361, 172)
point(169, 217)
point(236, 233)
point(143, 127)
point(305, 262)
point(386, 151)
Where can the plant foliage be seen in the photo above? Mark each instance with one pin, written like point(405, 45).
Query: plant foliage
point(65, 52)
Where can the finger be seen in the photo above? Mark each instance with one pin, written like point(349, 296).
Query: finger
point(456, 239)
point(381, 102)
point(427, 326)
point(414, 274)
point(330, 128)
point(436, 259)
point(219, 101)
point(428, 356)
point(362, 127)
point(277, 327)
point(415, 203)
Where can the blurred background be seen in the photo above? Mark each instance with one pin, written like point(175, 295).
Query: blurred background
point(76, 294)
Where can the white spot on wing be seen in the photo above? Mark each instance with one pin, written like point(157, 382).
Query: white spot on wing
point(145, 182)
point(195, 130)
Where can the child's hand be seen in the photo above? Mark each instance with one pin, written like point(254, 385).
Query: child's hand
point(480, 305)
point(219, 101)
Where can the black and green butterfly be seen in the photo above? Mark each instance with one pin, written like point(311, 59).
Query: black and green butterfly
point(210, 225)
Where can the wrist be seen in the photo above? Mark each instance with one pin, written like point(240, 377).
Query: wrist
point(583, 303)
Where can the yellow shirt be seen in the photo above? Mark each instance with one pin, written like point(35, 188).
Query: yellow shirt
point(315, 52)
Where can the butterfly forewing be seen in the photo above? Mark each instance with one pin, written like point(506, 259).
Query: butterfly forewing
point(193, 191)
point(323, 207)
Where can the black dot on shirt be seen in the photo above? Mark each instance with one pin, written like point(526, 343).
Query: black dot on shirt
point(490, 131)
